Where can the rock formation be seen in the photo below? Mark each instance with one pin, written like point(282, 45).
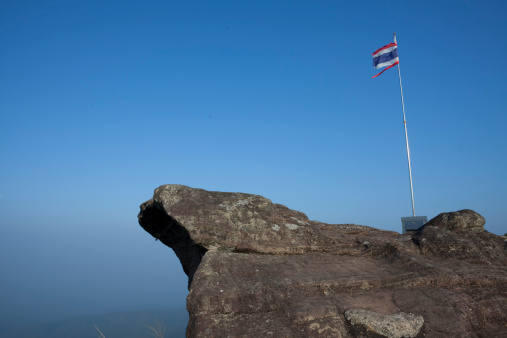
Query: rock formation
point(259, 269)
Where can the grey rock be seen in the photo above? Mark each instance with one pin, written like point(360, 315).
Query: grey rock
point(366, 323)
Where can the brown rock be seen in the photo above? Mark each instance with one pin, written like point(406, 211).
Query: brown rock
point(260, 269)
point(460, 235)
point(462, 220)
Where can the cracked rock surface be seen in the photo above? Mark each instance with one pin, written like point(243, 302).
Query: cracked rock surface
point(257, 268)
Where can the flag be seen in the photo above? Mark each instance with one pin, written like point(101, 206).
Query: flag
point(386, 56)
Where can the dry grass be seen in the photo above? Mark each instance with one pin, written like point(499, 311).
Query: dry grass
point(158, 331)
point(101, 334)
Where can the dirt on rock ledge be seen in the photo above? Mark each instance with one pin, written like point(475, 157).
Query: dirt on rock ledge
point(259, 269)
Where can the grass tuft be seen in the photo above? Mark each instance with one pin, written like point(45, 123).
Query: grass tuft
point(159, 331)
point(101, 334)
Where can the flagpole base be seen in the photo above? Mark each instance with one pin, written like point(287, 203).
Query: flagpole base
point(412, 223)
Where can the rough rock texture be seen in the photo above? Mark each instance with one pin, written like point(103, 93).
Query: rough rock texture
point(260, 269)
point(373, 324)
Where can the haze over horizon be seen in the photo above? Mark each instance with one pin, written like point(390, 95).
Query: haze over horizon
point(104, 101)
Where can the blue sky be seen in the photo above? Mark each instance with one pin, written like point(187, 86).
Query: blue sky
point(103, 101)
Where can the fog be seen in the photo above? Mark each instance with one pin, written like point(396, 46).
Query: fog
point(67, 267)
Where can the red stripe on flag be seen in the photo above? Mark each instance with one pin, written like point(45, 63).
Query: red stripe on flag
point(394, 64)
point(392, 44)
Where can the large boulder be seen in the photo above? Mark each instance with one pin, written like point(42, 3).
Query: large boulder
point(459, 220)
point(460, 235)
point(260, 269)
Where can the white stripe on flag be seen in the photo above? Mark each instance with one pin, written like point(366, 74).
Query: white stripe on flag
point(387, 50)
point(388, 63)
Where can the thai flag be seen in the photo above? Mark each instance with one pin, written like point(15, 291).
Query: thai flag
point(386, 56)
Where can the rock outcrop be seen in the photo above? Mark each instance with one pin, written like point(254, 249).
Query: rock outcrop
point(259, 269)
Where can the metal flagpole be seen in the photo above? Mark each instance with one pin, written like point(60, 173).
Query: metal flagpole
point(406, 138)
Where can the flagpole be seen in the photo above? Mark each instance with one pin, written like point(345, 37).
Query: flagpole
point(406, 138)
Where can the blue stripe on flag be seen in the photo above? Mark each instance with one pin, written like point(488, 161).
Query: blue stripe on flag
point(385, 57)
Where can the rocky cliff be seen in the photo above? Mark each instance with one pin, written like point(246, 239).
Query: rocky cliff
point(260, 269)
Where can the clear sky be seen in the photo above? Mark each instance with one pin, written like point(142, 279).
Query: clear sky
point(103, 101)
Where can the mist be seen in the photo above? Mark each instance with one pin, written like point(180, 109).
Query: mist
point(67, 268)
